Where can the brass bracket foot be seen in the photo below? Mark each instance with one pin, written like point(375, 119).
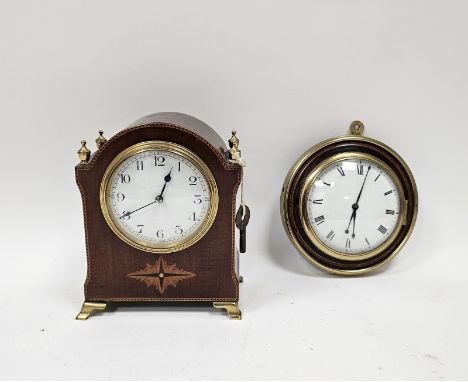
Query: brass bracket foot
point(88, 307)
point(231, 307)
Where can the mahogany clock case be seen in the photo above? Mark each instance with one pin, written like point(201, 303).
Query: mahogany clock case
point(212, 260)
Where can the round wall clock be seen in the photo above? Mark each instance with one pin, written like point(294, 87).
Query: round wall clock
point(159, 203)
point(349, 204)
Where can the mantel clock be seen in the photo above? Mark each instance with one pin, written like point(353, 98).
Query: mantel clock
point(159, 201)
point(349, 204)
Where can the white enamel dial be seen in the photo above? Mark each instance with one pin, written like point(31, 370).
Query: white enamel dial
point(159, 197)
point(353, 206)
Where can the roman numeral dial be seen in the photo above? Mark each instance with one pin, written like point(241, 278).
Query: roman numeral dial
point(352, 206)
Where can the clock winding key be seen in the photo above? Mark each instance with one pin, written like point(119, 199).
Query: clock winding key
point(242, 220)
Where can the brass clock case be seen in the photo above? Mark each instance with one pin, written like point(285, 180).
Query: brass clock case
point(304, 215)
point(301, 177)
point(160, 248)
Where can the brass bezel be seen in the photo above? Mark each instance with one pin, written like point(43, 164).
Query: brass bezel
point(304, 214)
point(175, 148)
point(285, 196)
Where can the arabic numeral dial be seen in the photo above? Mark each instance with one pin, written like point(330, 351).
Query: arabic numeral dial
point(159, 197)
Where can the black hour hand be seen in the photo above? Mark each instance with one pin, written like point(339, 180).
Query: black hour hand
point(167, 179)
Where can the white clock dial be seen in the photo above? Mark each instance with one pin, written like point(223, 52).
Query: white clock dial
point(158, 198)
point(353, 206)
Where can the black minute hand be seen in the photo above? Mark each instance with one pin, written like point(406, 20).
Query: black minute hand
point(355, 206)
point(360, 192)
point(138, 209)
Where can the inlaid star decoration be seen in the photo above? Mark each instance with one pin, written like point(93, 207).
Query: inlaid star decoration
point(161, 275)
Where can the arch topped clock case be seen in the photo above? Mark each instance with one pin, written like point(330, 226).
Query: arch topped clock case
point(349, 204)
point(159, 203)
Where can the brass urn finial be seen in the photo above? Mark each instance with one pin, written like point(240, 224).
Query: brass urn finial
point(100, 140)
point(234, 152)
point(84, 153)
point(356, 128)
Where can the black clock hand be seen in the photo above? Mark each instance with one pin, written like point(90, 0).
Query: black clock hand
point(354, 225)
point(167, 179)
point(355, 206)
point(138, 209)
point(362, 187)
point(352, 218)
point(159, 198)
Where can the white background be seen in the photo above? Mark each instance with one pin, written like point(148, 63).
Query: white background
point(286, 75)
